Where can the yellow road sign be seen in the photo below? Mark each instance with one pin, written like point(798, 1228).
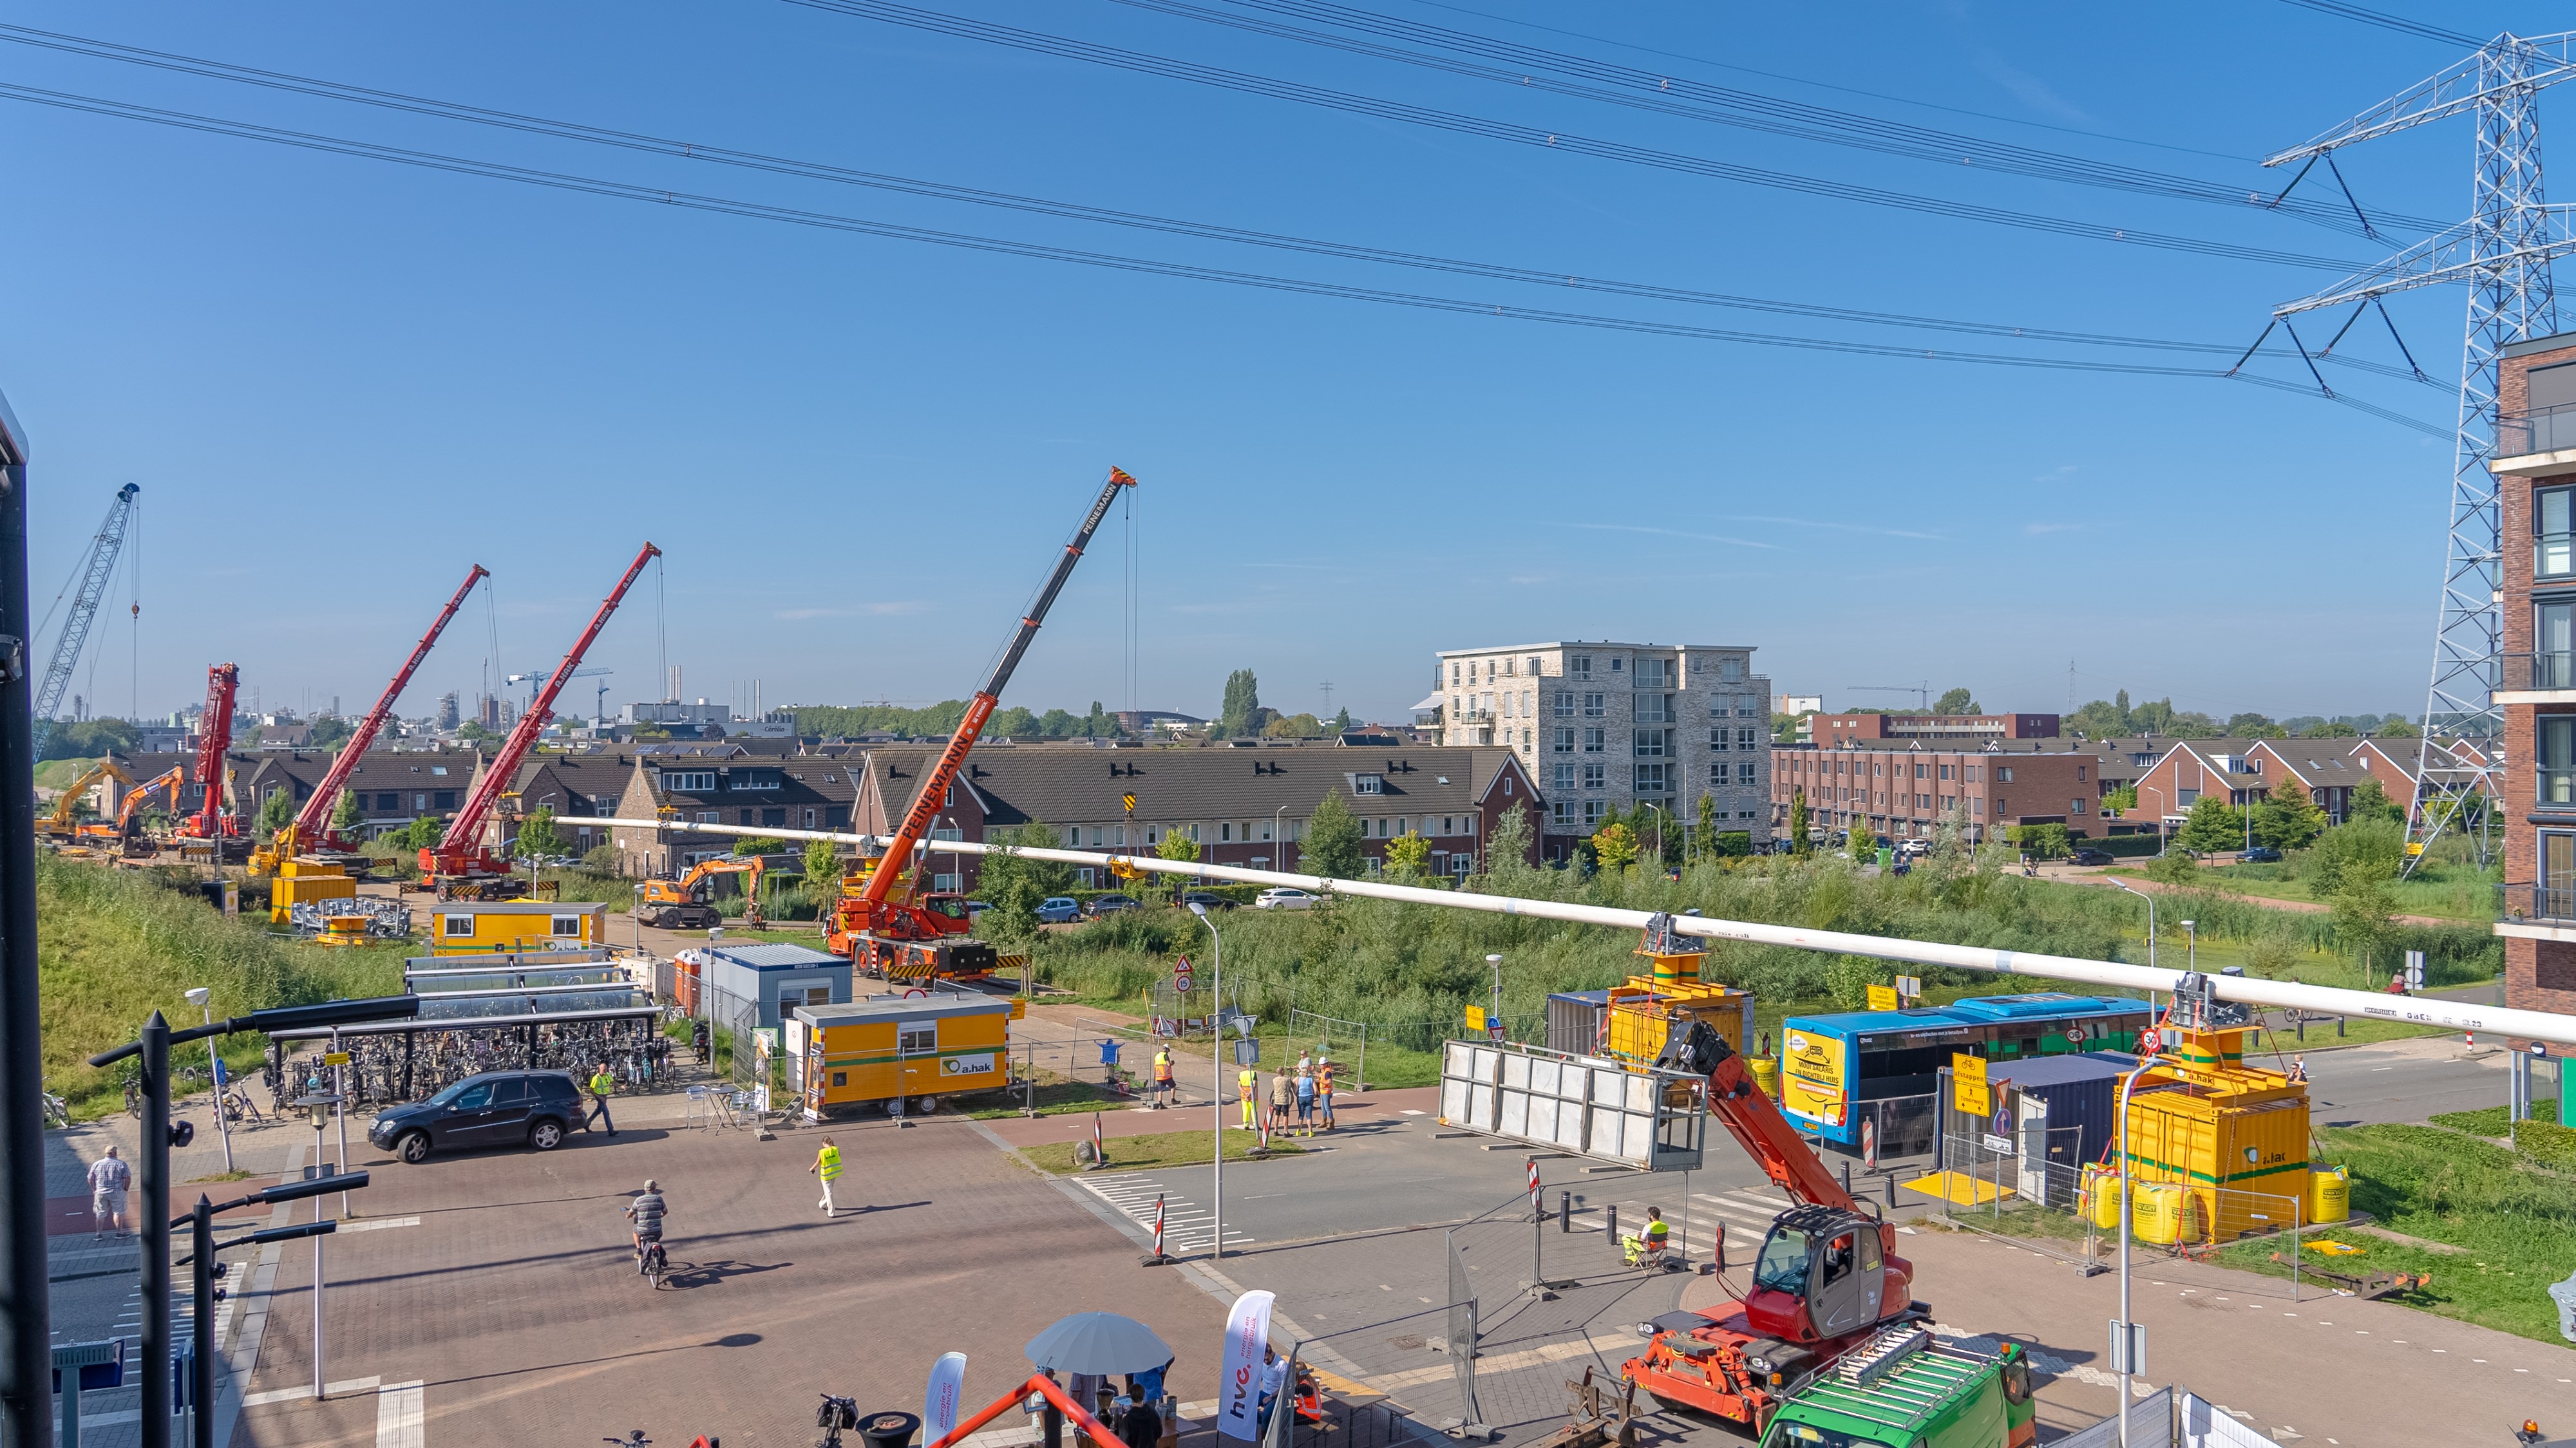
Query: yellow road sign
point(1968, 1068)
point(335, 1058)
point(2415, 847)
point(1882, 998)
point(1475, 1018)
point(1128, 800)
point(1970, 1097)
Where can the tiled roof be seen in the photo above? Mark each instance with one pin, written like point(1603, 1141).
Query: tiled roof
point(1058, 784)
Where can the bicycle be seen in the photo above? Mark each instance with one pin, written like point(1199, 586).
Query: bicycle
point(134, 1099)
point(58, 1112)
point(238, 1109)
point(652, 1262)
point(834, 1415)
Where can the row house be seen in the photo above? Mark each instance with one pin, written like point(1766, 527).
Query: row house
point(2330, 770)
point(718, 786)
point(1247, 808)
point(1907, 790)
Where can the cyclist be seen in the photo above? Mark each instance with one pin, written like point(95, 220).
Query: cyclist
point(646, 1213)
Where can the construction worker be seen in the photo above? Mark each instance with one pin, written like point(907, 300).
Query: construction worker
point(602, 1085)
point(1324, 1091)
point(827, 1165)
point(1245, 1081)
point(1659, 1235)
point(1162, 1077)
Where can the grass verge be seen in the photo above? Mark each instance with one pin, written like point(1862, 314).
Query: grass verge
point(1145, 1153)
point(1057, 1098)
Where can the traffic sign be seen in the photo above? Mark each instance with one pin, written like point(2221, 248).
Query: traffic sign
point(1494, 1030)
point(1181, 980)
point(1968, 1093)
point(1882, 998)
point(1475, 1018)
point(335, 1058)
point(1910, 986)
point(1128, 800)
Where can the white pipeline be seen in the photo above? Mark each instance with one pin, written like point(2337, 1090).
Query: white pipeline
point(2498, 1022)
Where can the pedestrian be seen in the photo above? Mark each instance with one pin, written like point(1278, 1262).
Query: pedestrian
point(1036, 1404)
point(2298, 1068)
point(1305, 1062)
point(827, 1165)
point(1162, 1077)
point(1245, 1081)
point(1142, 1427)
point(1305, 1104)
point(109, 1177)
point(1274, 1376)
point(601, 1084)
point(1324, 1091)
point(1283, 1094)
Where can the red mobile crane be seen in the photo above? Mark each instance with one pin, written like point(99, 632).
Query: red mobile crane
point(1825, 1282)
point(214, 740)
point(921, 936)
point(458, 866)
point(312, 826)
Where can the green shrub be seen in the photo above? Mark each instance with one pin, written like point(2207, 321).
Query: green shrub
point(2546, 1142)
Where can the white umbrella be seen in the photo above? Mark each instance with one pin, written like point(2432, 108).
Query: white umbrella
point(1099, 1343)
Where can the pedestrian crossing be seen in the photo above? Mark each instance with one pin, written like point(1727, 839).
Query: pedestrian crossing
point(1187, 1226)
point(1746, 1216)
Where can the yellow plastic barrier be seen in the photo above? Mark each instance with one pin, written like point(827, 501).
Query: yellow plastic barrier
point(2165, 1214)
point(2332, 1198)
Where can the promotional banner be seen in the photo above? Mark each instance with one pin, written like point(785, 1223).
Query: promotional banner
point(939, 1404)
point(1247, 1332)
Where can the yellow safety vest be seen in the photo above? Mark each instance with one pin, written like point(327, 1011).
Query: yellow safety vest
point(602, 1084)
point(829, 1159)
point(1657, 1232)
point(1162, 1068)
point(1243, 1081)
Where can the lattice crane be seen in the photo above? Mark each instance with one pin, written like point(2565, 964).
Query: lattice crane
point(104, 546)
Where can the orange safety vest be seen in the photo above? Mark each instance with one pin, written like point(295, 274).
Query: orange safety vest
point(1163, 1069)
point(1324, 1079)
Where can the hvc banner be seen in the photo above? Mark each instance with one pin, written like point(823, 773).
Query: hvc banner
point(1247, 1332)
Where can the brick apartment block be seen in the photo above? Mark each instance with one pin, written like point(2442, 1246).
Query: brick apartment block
point(2535, 472)
point(1905, 790)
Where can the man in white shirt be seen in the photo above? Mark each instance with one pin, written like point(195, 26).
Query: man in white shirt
point(109, 1177)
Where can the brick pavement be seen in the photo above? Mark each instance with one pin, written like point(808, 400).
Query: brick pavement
point(1349, 1109)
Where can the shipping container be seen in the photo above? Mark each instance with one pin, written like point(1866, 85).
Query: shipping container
point(2243, 1154)
point(2079, 1097)
point(1574, 1021)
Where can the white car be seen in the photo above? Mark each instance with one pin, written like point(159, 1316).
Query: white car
point(1283, 897)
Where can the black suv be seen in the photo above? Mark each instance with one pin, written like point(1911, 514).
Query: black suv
point(497, 1108)
point(2089, 857)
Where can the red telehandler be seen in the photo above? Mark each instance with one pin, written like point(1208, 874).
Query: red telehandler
point(1825, 1283)
point(923, 936)
point(458, 867)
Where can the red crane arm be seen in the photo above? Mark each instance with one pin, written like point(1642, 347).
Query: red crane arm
point(468, 824)
point(326, 795)
point(214, 739)
point(927, 801)
point(1757, 1125)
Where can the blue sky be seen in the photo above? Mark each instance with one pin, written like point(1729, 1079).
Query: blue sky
point(341, 381)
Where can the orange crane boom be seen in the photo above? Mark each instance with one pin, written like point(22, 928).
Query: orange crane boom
point(312, 824)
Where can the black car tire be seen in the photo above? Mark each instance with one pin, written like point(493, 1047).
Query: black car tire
point(412, 1148)
point(546, 1135)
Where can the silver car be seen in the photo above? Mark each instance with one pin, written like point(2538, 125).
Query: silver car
point(1283, 897)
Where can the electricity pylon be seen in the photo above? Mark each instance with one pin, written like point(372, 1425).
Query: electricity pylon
point(2502, 254)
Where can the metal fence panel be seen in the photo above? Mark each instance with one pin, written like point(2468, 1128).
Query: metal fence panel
point(2150, 1426)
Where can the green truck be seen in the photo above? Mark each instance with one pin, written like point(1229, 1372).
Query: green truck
point(1903, 1390)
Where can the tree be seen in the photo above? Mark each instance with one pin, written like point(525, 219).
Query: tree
point(2371, 802)
point(2100, 719)
point(745, 846)
point(1614, 845)
point(2213, 824)
point(1342, 720)
point(1514, 839)
point(1097, 724)
point(2040, 842)
point(1332, 844)
point(1863, 843)
point(420, 834)
point(2288, 819)
point(1704, 829)
point(2123, 799)
point(1242, 703)
point(1798, 842)
point(2393, 727)
point(537, 834)
point(1406, 854)
point(276, 812)
point(2239, 723)
point(1177, 845)
point(89, 738)
point(346, 815)
point(1957, 701)
point(2174, 867)
point(2331, 729)
point(822, 870)
point(602, 860)
point(1294, 726)
point(1015, 884)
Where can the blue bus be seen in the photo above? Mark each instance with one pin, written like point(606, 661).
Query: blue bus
point(1834, 1070)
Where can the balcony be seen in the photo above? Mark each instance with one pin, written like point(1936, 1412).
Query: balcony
point(2536, 679)
point(2539, 912)
point(2537, 442)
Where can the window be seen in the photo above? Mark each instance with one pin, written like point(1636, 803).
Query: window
point(1564, 705)
point(1650, 779)
point(1945, 771)
point(1650, 744)
point(1595, 741)
point(1652, 673)
point(774, 818)
point(388, 802)
point(1382, 831)
point(1596, 776)
point(1731, 668)
point(1564, 740)
point(1565, 772)
point(1591, 813)
point(442, 799)
point(1578, 666)
point(2075, 806)
point(1534, 663)
point(456, 925)
point(916, 1038)
point(689, 781)
point(1654, 708)
point(1717, 773)
point(2553, 553)
point(746, 817)
point(2556, 765)
point(1562, 813)
point(708, 816)
point(753, 779)
point(1747, 738)
point(2186, 798)
point(2003, 774)
point(2557, 893)
point(1453, 674)
point(1368, 784)
point(1923, 771)
point(1744, 773)
point(2554, 639)
point(1592, 705)
point(1617, 664)
point(438, 769)
point(2079, 771)
point(564, 925)
point(1717, 739)
point(1975, 773)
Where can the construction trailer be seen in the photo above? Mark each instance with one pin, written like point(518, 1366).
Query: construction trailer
point(894, 1049)
point(763, 982)
point(484, 927)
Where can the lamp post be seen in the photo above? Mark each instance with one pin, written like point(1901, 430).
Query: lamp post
point(2151, 916)
point(1659, 834)
point(1279, 837)
point(2190, 946)
point(1495, 1020)
point(198, 996)
point(1216, 1079)
point(2125, 1333)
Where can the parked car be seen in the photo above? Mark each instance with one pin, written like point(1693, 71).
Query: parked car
point(496, 1108)
point(1208, 898)
point(1110, 904)
point(2090, 857)
point(1057, 909)
point(1283, 897)
point(2260, 855)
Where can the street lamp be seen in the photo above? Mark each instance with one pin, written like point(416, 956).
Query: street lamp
point(1496, 1018)
point(2151, 916)
point(1659, 834)
point(2125, 1335)
point(1216, 1076)
point(1279, 837)
point(198, 996)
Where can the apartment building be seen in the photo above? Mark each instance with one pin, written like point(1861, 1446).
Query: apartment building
point(2535, 473)
point(1955, 730)
point(1600, 725)
point(1906, 790)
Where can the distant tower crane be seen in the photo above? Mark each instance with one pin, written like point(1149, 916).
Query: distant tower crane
point(1923, 691)
point(103, 549)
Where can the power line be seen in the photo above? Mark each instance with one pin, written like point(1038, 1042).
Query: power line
point(627, 191)
point(1456, 122)
point(822, 171)
point(2386, 21)
point(1526, 67)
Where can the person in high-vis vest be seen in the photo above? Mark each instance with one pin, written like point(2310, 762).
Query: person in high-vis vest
point(1245, 1081)
point(827, 1165)
point(1162, 1077)
point(1659, 1234)
point(1324, 1092)
point(602, 1085)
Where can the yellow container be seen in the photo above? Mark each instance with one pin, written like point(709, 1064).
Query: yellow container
point(1643, 1016)
point(2098, 1197)
point(300, 881)
point(484, 927)
point(1766, 1075)
point(890, 1047)
point(2236, 1136)
point(2331, 1198)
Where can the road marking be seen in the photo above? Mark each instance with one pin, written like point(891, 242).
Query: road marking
point(401, 1415)
point(2378, 1068)
point(288, 1395)
point(1409, 1111)
point(377, 1224)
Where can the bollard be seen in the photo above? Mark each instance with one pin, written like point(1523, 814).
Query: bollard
point(1565, 1211)
point(1846, 1176)
point(1891, 1189)
point(1610, 1218)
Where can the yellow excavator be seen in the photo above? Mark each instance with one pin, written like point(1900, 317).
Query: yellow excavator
point(683, 904)
point(60, 826)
